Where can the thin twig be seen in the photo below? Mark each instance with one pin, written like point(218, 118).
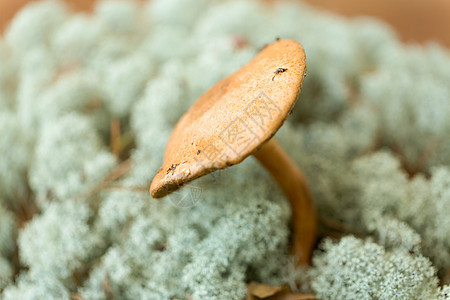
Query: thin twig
point(121, 170)
point(116, 142)
point(132, 188)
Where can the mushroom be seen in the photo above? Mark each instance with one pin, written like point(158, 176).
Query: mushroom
point(238, 117)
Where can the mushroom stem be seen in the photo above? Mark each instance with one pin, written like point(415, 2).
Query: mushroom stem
point(289, 177)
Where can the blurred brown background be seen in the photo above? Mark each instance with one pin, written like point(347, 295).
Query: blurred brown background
point(414, 20)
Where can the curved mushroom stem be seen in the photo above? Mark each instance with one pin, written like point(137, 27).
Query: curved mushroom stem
point(304, 219)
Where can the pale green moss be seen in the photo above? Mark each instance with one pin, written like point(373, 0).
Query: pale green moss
point(64, 77)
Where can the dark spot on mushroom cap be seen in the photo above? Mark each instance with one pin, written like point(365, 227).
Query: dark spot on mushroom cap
point(172, 168)
point(279, 71)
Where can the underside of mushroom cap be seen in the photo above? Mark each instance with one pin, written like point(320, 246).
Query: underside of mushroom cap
point(234, 118)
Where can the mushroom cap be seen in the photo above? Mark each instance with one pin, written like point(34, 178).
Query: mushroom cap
point(234, 118)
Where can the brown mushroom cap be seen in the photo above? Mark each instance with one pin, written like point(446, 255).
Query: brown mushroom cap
point(234, 118)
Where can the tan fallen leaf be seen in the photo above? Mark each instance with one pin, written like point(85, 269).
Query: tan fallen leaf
point(259, 291)
point(263, 290)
